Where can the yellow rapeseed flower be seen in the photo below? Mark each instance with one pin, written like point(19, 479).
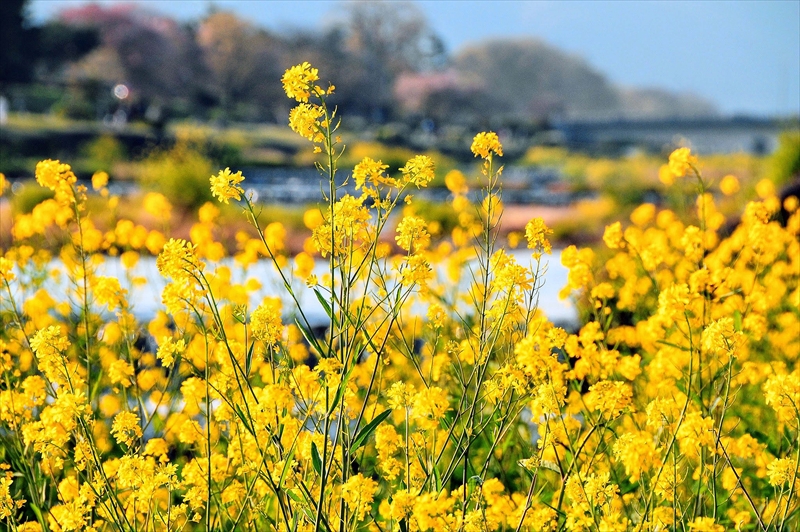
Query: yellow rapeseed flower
point(781, 471)
point(7, 270)
point(265, 321)
point(298, 81)
point(125, 428)
point(59, 178)
point(371, 172)
point(729, 185)
point(681, 162)
point(536, 232)
point(107, 291)
point(418, 171)
point(412, 234)
point(305, 121)
point(455, 182)
point(357, 493)
point(99, 180)
point(486, 143)
point(178, 259)
point(168, 349)
point(225, 185)
point(613, 236)
point(705, 524)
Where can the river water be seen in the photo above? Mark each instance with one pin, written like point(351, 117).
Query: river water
point(145, 296)
point(302, 186)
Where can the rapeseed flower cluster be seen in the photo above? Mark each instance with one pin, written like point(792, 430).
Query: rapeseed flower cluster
point(437, 396)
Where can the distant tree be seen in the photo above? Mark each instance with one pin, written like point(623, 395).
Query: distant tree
point(386, 39)
point(659, 104)
point(154, 56)
point(60, 44)
point(529, 78)
point(16, 39)
point(244, 62)
point(328, 51)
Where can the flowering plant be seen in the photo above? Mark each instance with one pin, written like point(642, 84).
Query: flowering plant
point(438, 397)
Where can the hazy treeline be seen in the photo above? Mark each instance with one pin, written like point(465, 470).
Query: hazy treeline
point(388, 61)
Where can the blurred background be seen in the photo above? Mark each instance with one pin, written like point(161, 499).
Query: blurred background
point(160, 94)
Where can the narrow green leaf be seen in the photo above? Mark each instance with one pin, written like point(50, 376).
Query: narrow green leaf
point(310, 338)
point(249, 360)
point(38, 512)
point(340, 390)
point(369, 428)
point(287, 465)
point(316, 461)
point(737, 320)
point(238, 410)
point(552, 466)
point(324, 304)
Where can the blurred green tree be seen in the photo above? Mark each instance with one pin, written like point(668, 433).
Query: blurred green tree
point(16, 36)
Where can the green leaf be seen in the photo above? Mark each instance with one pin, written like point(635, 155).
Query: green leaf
point(38, 512)
point(249, 360)
point(287, 464)
point(369, 428)
point(552, 466)
point(340, 390)
point(292, 495)
point(310, 338)
point(316, 461)
point(240, 413)
point(324, 304)
point(737, 320)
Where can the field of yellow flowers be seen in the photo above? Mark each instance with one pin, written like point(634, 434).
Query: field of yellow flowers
point(438, 397)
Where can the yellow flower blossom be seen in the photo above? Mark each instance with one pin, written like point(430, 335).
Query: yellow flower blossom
point(613, 236)
point(412, 234)
point(7, 270)
point(609, 398)
point(536, 233)
point(486, 143)
point(781, 471)
point(370, 172)
point(681, 162)
point(265, 321)
point(225, 185)
point(729, 185)
point(705, 524)
point(107, 291)
point(305, 121)
point(99, 180)
point(126, 429)
point(179, 260)
point(298, 81)
point(358, 493)
point(416, 270)
point(168, 349)
point(455, 182)
point(59, 178)
point(418, 171)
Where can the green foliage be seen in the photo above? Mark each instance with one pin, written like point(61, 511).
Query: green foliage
point(180, 173)
point(784, 164)
point(442, 214)
point(290, 217)
point(28, 197)
point(103, 152)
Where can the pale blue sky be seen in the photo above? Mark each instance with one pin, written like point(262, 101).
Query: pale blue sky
point(743, 55)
